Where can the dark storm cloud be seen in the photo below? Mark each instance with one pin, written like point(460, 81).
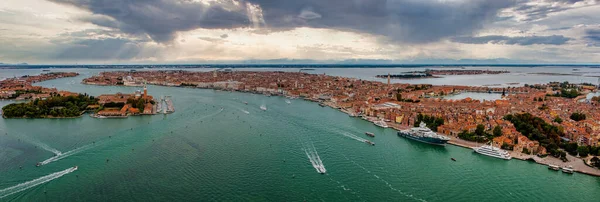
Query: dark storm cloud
point(100, 49)
point(592, 36)
point(411, 21)
point(160, 19)
point(520, 40)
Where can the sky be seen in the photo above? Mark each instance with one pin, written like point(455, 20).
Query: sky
point(231, 31)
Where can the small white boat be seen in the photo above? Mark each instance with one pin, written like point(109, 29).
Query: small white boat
point(553, 167)
point(568, 169)
point(263, 107)
point(288, 102)
point(381, 123)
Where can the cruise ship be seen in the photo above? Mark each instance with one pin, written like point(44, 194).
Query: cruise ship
point(492, 151)
point(424, 134)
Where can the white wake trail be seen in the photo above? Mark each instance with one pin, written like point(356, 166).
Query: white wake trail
point(67, 154)
point(314, 158)
point(26, 185)
point(213, 114)
point(48, 148)
point(353, 137)
point(41, 145)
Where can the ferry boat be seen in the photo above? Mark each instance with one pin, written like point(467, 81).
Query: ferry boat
point(553, 167)
point(492, 151)
point(568, 169)
point(370, 134)
point(380, 123)
point(424, 134)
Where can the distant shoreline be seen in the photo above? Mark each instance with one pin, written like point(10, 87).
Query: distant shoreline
point(283, 65)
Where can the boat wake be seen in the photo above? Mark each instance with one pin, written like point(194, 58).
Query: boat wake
point(66, 154)
point(211, 115)
point(384, 181)
point(354, 137)
point(26, 185)
point(48, 148)
point(246, 112)
point(41, 145)
point(314, 158)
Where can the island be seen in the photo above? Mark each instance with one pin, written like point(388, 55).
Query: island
point(21, 88)
point(58, 105)
point(532, 121)
point(432, 73)
point(52, 103)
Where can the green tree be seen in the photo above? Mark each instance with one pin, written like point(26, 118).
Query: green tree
point(557, 119)
point(583, 151)
point(480, 130)
point(577, 116)
point(571, 148)
point(497, 131)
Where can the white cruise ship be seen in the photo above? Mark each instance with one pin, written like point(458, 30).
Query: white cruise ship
point(492, 151)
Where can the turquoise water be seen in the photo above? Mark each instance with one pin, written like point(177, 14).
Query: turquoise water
point(203, 153)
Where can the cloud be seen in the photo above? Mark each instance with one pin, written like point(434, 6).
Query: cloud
point(160, 19)
point(308, 14)
point(592, 36)
point(519, 40)
point(213, 39)
point(533, 11)
point(410, 21)
point(100, 49)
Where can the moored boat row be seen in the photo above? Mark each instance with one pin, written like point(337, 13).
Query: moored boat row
point(568, 169)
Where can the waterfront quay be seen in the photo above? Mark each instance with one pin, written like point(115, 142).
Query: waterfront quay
point(399, 104)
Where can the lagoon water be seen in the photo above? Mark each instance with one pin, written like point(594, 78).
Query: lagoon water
point(241, 153)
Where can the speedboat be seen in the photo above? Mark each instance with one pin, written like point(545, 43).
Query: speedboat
point(38, 164)
point(288, 102)
point(263, 107)
point(369, 142)
point(370, 134)
point(245, 102)
point(453, 159)
point(75, 167)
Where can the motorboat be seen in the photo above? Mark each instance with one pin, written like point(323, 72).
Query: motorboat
point(553, 167)
point(568, 169)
